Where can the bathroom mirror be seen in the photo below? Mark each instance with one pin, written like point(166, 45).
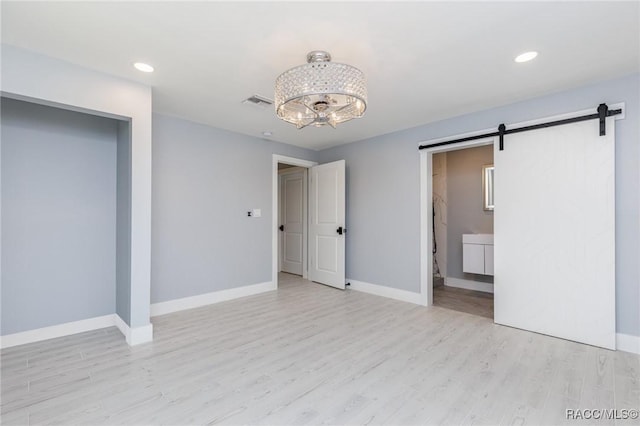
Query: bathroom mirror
point(487, 186)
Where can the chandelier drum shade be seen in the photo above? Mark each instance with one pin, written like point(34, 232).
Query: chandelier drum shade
point(320, 92)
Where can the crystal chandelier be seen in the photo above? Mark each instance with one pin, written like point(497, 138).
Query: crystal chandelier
point(320, 92)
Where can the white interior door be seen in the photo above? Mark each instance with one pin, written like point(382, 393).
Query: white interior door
point(554, 232)
point(327, 224)
point(292, 208)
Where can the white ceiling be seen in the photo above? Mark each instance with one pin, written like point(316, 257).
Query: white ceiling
point(424, 61)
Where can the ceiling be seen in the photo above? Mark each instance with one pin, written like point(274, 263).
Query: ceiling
point(424, 61)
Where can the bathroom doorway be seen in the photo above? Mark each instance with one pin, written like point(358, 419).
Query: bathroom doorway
point(462, 230)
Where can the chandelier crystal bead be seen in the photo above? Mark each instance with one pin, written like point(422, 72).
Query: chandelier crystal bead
point(320, 92)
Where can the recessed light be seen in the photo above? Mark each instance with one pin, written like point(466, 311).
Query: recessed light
point(267, 134)
point(141, 66)
point(526, 56)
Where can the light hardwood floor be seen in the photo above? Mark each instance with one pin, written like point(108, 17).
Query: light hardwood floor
point(462, 300)
point(309, 354)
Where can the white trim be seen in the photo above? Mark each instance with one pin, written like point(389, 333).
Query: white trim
point(274, 210)
point(426, 205)
point(468, 284)
point(628, 343)
point(142, 334)
point(391, 293)
point(139, 335)
point(54, 331)
point(134, 336)
point(426, 187)
point(191, 302)
point(426, 201)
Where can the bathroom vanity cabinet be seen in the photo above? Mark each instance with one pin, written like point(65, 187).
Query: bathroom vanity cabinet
point(477, 254)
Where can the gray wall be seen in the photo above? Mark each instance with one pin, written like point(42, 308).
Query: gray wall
point(204, 182)
point(61, 209)
point(465, 212)
point(123, 223)
point(58, 216)
point(383, 210)
point(383, 207)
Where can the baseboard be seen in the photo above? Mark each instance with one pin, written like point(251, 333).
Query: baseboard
point(628, 343)
point(137, 335)
point(60, 330)
point(191, 302)
point(468, 284)
point(134, 336)
point(391, 293)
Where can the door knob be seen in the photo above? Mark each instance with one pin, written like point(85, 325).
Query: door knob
point(281, 227)
point(341, 230)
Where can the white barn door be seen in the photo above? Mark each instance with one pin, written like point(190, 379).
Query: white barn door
point(554, 224)
point(327, 224)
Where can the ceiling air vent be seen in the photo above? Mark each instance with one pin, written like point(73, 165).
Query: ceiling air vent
point(258, 101)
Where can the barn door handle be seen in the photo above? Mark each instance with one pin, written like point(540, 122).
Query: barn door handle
point(341, 230)
point(281, 227)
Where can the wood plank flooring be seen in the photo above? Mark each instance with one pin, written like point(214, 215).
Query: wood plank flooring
point(309, 354)
point(462, 300)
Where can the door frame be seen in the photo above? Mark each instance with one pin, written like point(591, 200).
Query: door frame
point(426, 204)
point(275, 209)
point(426, 187)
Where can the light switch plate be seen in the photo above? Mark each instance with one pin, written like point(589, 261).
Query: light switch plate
point(257, 212)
